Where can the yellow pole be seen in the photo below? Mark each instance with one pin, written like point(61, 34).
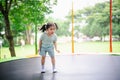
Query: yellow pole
point(72, 29)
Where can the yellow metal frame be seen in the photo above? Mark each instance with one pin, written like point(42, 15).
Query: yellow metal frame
point(72, 29)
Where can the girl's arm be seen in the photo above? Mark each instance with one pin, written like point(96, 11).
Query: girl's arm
point(55, 44)
point(40, 43)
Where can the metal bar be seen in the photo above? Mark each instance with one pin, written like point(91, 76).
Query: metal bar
point(110, 30)
point(72, 29)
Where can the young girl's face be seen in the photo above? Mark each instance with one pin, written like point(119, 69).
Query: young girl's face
point(51, 30)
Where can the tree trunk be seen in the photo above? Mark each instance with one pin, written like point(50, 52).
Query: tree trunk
point(8, 35)
point(28, 37)
point(28, 34)
point(119, 38)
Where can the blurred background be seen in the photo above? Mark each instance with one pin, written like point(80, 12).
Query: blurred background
point(91, 26)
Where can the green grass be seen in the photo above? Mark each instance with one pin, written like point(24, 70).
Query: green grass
point(115, 54)
point(21, 52)
point(89, 47)
point(65, 48)
point(9, 59)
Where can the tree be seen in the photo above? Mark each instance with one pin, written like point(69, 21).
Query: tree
point(5, 9)
point(26, 14)
point(97, 19)
point(116, 18)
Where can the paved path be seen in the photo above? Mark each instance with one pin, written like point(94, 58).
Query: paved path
point(77, 67)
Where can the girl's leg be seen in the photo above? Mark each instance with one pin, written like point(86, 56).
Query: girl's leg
point(43, 60)
point(53, 61)
point(43, 63)
point(53, 64)
point(51, 54)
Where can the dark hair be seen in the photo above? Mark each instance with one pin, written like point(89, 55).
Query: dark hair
point(48, 25)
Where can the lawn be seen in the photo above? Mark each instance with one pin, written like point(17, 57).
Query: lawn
point(65, 48)
point(89, 47)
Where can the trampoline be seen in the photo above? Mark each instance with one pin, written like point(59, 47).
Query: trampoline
point(70, 67)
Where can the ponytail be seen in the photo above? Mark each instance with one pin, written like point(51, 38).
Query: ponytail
point(56, 25)
point(43, 28)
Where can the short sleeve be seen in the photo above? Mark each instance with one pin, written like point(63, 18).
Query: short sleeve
point(55, 38)
point(41, 37)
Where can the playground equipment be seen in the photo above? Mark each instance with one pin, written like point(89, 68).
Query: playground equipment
point(110, 30)
point(72, 28)
point(89, 67)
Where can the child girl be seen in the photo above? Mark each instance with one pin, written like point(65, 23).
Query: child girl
point(47, 43)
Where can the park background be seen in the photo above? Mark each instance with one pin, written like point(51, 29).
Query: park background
point(91, 26)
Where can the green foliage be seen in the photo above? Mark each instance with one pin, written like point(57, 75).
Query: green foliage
point(97, 19)
point(24, 15)
point(1, 23)
point(5, 43)
point(28, 12)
